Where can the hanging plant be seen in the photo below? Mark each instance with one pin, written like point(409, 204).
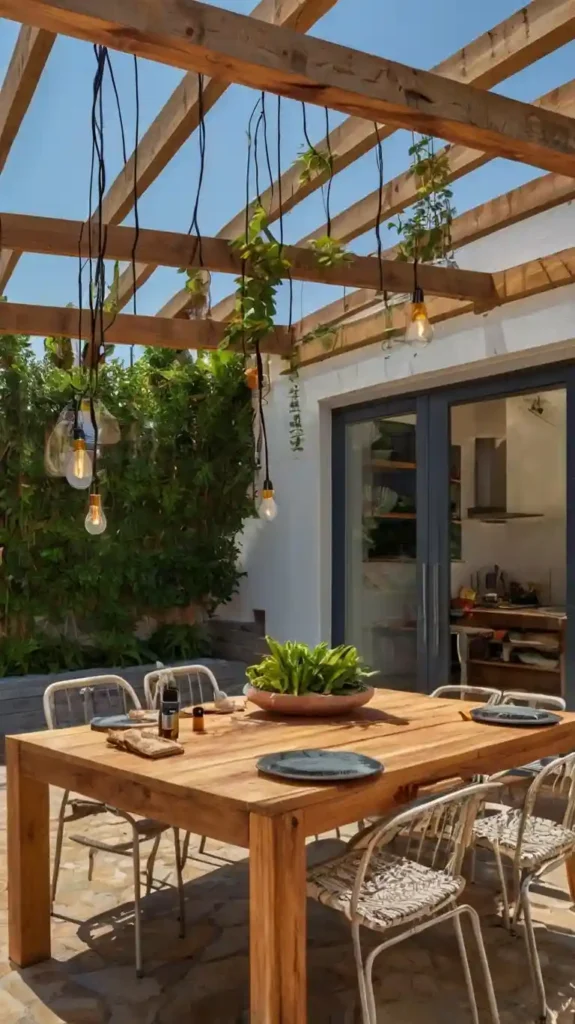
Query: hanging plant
point(255, 306)
point(296, 434)
point(313, 162)
point(426, 234)
point(329, 252)
point(198, 287)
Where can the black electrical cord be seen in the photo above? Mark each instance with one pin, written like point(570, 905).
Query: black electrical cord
point(379, 163)
point(136, 211)
point(194, 225)
point(327, 197)
point(281, 212)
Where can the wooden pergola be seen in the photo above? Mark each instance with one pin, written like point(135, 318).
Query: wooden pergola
point(269, 51)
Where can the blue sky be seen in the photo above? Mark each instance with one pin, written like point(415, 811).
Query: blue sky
point(48, 169)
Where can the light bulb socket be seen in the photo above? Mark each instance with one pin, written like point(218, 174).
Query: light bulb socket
point(418, 297)
point(79, 435)
point(267, 485)
point(95, 501)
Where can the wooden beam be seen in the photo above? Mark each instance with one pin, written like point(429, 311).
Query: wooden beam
point(179, 118)
point(398, 194)
point(536, 30)
point(537, 196)
point(512, 285)
point(125, 329)
point(27, 63)
point(56, 237)
point(207, 39)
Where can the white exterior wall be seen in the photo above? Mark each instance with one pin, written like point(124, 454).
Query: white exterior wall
point(288, 562)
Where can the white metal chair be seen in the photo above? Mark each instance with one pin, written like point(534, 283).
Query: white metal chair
point(534, 845)
point(384, 891)
point(188, 681)
point(534, 700)
point(484, 693)
point(84, 698)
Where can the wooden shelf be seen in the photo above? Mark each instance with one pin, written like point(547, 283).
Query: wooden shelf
point(389, 464)
point(394, 515)
point(513, 664)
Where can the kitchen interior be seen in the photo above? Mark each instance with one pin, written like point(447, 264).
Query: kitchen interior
point(507, 616)
point(508, 542)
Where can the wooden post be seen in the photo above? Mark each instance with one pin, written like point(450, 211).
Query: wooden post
point(28, 816)
point(277, 920)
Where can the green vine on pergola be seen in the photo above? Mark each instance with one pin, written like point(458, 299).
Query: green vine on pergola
point(425, 235)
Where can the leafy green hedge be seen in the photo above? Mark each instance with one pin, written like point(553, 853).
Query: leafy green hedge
point(175, 491)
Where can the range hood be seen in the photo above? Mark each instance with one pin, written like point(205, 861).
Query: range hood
point(491, 483)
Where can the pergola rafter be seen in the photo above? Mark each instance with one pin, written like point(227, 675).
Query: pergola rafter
point(173, 125)
point(480, 125)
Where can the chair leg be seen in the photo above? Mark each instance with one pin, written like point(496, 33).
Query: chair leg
point(476, 925)
point(202, 845)
point(150, 864)
point(466, 968)
point(504, 895)
point(368, 1011)
point(533, 955)
point(58, 849)
point(178, 855)
point(137, 909)
point(186, 848)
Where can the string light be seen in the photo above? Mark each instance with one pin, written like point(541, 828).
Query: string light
point(419, 329)
point(78, 467)
point(95, 521)
point(268, 509)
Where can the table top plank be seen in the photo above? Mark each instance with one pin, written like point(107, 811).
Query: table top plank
point(418, 738)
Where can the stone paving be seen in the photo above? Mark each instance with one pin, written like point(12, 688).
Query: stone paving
point(203, 979)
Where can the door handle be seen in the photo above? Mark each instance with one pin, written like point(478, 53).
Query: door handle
point(424, 602)
point(435, 602)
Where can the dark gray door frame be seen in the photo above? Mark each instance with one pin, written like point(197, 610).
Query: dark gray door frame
point(433, 506)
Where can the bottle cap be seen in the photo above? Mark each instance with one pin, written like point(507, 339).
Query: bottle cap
point(198, 712)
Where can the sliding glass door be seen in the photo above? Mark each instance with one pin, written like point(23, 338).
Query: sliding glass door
point(454, 535)
point(380, 569)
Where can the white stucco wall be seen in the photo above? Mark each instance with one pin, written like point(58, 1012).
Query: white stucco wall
point(289, 561)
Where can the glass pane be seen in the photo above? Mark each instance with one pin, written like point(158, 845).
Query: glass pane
point(381, 547)
point(508, 542)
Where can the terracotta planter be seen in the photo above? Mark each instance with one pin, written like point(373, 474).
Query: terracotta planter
point(311, 705)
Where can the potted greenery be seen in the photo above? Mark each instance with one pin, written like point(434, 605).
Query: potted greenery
point(295, 679)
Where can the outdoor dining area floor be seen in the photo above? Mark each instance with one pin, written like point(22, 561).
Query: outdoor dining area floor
point(204, 978)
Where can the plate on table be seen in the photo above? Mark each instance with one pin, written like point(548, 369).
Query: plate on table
point(104, 722)
point(513, 715)
point(319, 765)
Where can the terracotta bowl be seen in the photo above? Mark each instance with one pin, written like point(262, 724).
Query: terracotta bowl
point(310, 705)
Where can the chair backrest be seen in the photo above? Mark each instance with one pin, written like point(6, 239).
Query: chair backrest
point(189, 680)
point(534, 700)
point(84, 698)
point(444, 824)
point(559, 776)
point(484, 693)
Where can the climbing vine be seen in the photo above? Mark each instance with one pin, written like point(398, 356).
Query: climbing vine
point(175, 491)
point(426, 234)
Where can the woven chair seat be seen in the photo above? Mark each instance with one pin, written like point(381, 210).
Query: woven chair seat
point(395, 890)
point(543, 840)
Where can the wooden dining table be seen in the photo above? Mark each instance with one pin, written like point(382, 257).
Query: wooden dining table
point(215, 789)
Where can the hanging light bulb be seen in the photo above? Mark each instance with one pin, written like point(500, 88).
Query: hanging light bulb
point(78, 465)
point(268, 509)
point(419, 329)
point(95, 521)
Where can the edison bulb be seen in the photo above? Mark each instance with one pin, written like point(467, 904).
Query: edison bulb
point(268, 509)
point(419, 329)
point(78, 466)
point(95, 521)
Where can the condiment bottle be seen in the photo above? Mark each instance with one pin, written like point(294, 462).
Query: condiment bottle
point(198, 721)
point(169, 717)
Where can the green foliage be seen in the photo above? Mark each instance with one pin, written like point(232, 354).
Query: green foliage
point(296, 434)
point(298, 669)
point(329, 252)
point(426, 234)
point(325, 333)
point(175, 491)
point(313, 162)
point(255, 306)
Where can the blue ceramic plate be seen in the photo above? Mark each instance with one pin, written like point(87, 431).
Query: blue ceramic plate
point(514, 715)
point(105, 722)
point(319, 765)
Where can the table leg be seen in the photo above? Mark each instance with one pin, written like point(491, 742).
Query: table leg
point(277, 920)
point(28, 863)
